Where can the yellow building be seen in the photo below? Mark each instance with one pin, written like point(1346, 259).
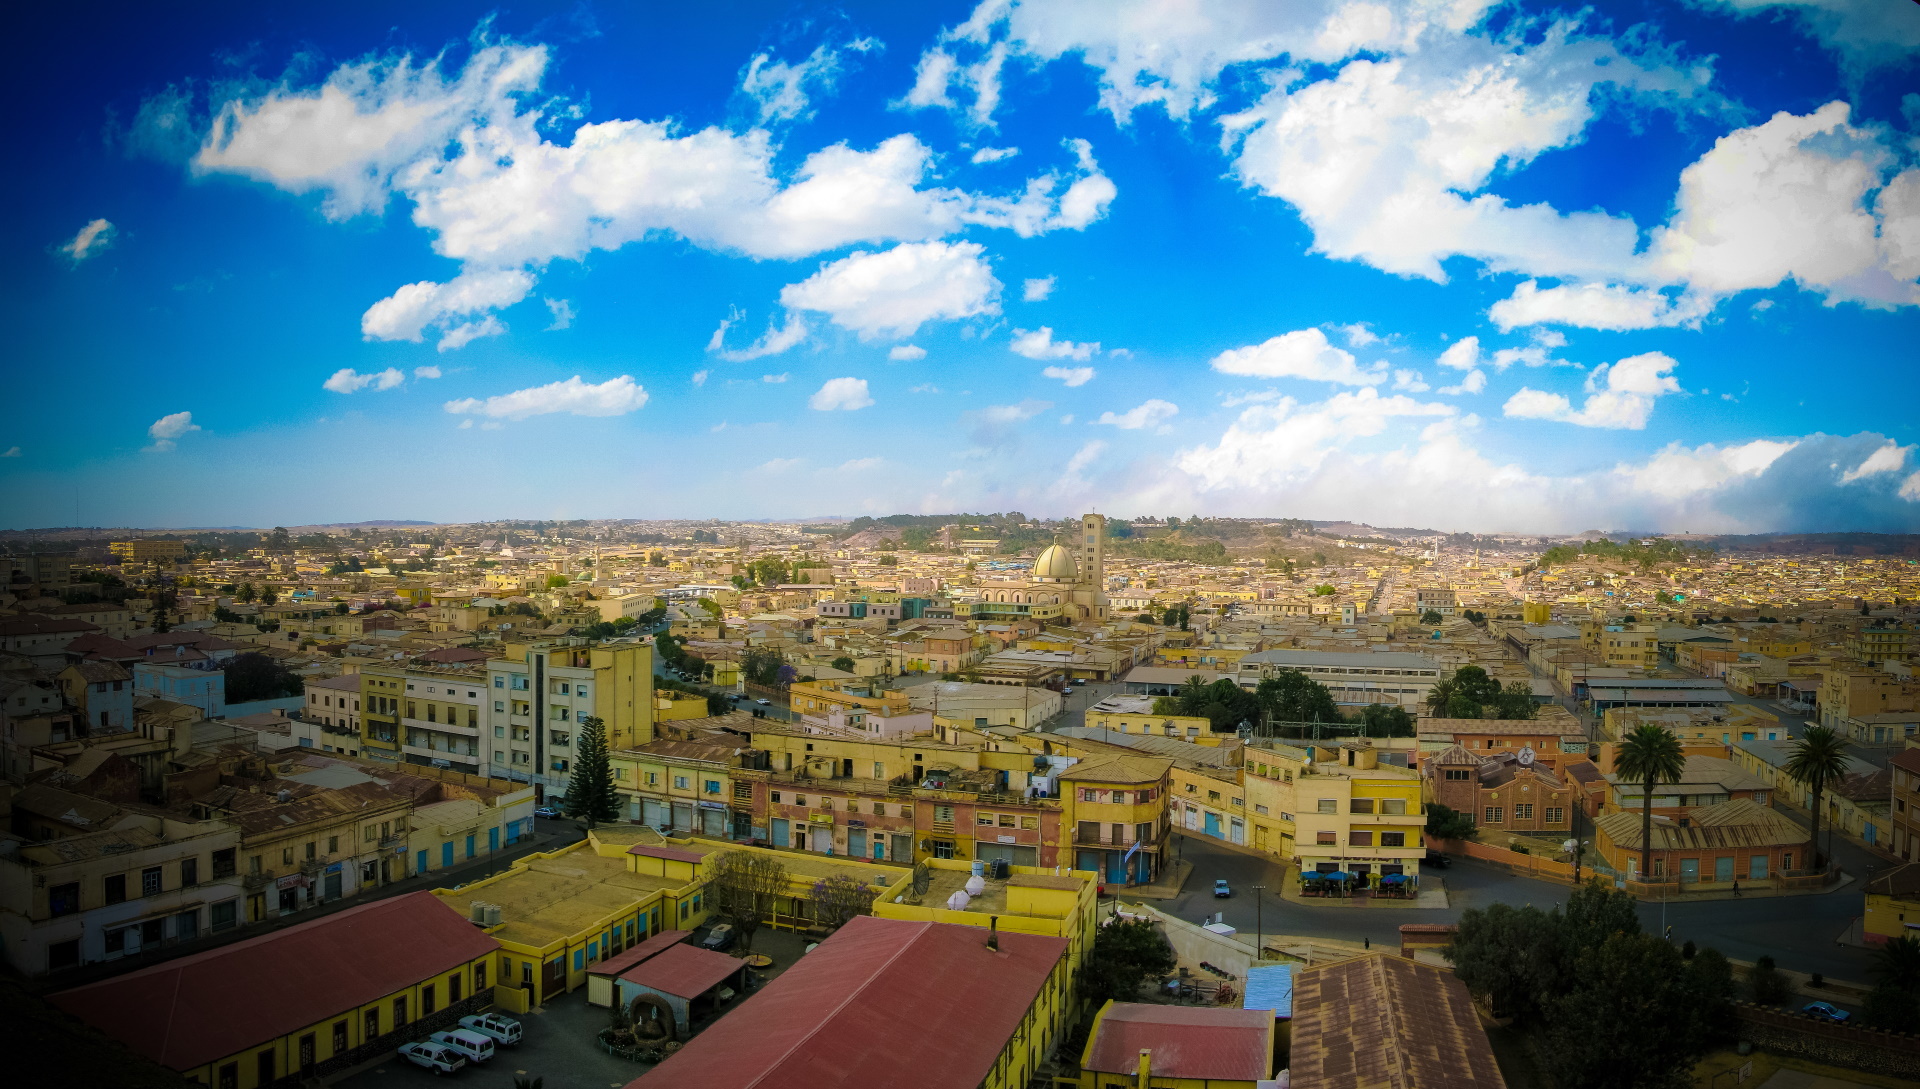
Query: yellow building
point(1893, 904)
point(1626, 646)
point(853, 694)
point(1134, 1044)
point(672, 706)
point(148, 550)
point(538, 692)
point(1536, 612)
point(1268, 773)
point(369, 979)
point(425, 711)
point(1356, 815)
point(1209, 801)
point(1115, 809)
point(680, 787)
point(1133, 715)
point(1032, 900)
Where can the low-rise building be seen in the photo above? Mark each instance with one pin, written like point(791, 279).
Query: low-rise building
point(1355, 815)
point(1355, 679)
point(101, 693)
point(1903, 814)
point(1892, 905)
point(1710, 847)
point(1135, 1043)
point(1381, 1020)
point(1117, 809)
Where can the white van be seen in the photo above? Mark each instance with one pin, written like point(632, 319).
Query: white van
point(475, 1047)
point(505, 1031)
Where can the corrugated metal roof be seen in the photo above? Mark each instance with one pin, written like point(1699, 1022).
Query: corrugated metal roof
point(1381, 1022)
point(684, 970)
point(1385, 659)
point(622, 961)
point(1196, 1042)
point(882, 1002)
point(189, 1012)
point(1270, 988)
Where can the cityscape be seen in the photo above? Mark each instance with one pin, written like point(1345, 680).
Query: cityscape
point(1011, 544)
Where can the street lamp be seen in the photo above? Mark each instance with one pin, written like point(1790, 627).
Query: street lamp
point(1259, 931)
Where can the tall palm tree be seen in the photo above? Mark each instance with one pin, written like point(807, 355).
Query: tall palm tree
point(1817, 758)
point(1648, 756)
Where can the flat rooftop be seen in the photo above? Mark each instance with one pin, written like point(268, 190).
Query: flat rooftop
point(553, 898)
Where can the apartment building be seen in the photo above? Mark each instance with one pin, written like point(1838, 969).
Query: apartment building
point(1117, 809)
point(682, 787)
point(1622, 646)
point(1883, 643)
point(1857, 693)
point(333, 705)
point(425, 711)
point(70, 895)
point(1356, 815)
point(101, 693)
point(1268, 773)
point(537, 693)
point(1903, 818)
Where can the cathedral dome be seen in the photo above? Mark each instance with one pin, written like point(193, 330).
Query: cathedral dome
point(1056, 563)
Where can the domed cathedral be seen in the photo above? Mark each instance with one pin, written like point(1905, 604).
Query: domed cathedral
point(1068, 582)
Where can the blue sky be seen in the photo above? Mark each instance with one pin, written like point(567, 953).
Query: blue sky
point(1459, 264)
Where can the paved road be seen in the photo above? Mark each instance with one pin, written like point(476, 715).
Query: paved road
point(1799, 932)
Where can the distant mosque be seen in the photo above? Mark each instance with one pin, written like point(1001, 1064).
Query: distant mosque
point(1068, 584)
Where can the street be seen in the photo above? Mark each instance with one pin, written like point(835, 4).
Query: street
point(1799, 932)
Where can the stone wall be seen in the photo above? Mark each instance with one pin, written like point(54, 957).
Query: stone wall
point(1895, 1054)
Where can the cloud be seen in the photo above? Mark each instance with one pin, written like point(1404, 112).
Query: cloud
point(1410, 381)
point(347, 380)
point(994, 154)
point(466, 333)
point(11, 452)
point(700, 378)
point(906, 353)
point(925, 388)
point(93, 238)
point(894, 292)
point(614, 397)
point(779, 90)
point(1036, 290)
point(841, 394)
point(859, 465)
point(562, 311)
point(167, 429)
point(1358, 335)
point(426, 372)
point(781, 465)
point(1470, 382)
point(1596, 306)
point(1620, 395)
point(1461, 355)
point(410, 311)
point(1072, 376)
point(1866, 35)
point(1039, 344)
point(774, 341)
point(1303, 353)
point(1007, 414)
point(1887, 459)
point(1148, 414)
point(774, 379)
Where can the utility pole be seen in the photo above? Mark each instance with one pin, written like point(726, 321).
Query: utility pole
point(1259, 931)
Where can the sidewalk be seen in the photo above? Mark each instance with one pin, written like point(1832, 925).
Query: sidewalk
point(1432, 894)
point(1166, 888)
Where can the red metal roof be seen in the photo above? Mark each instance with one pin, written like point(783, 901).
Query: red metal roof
point(674, 853)
point(882, 1002)
point(1187, 1042)
point(191, 1011)
point(685, 970)
point(620, 962)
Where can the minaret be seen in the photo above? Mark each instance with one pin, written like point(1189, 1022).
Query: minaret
point(1092, 551)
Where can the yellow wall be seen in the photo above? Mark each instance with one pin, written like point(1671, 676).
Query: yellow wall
point(475, 974)
point(1156, 725)
point(1887, 918)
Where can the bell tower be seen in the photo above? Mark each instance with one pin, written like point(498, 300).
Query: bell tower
point(1091, 548)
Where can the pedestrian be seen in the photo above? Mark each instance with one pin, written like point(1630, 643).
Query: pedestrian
point(1366, 943)
point(1736, 886)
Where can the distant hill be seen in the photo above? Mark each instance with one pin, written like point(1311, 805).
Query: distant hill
point(1829, 544)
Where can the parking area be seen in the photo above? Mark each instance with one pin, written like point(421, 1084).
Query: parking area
point(559, 1044)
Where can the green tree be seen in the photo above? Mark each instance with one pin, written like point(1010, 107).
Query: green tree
point(246, 595)
point(255, 676)
point(1495, 953)
point(590, 795)
point(1144, 618)
point(1125, 954)
point(1649, 756)
point(1626, 1021)
point(1816, 760)
point(1386, 720)
point(742, 887)
point(843, 663)
point(1444, 822)
point(268, 595)
point(554, 582)
point(1710, 982)
point(1292, 696)
point(1765, 983)
point(1894, 1002)
point(1431, 618)
point(839, 898)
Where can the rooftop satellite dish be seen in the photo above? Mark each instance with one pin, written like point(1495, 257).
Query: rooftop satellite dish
point(1526, 756)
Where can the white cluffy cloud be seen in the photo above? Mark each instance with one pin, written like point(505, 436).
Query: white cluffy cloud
point(1036, 290)
point(408, 312)
point(1149, 414)
point(1072, 376)
point(780, 90)
point(167, 429)
point(348, 380)
point(92, 238)
point(469, 151)
point(906, 353)
point(1303, 353)
point(1888, 459)
point(1039, 344)
point(562, 312)
point(841, 394)
point(775, 340)
point(614, 397)
point(1619, 395)
point(426, 372)
point(894, 292)
point(994, 154)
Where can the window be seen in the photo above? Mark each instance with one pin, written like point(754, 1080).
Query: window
point(189, 872)
point(1327, 839)
point(223, 862)
point(333, 845)
point(286, 856)
point(1329, 805)
point(1493, 814)
point(1359, 839)
point(773, 796)
point(426, 999)
point(1523, 811)
point(372, 1025)
point(480, 977)
point(226, 915)
point(1556, 815)
point(312, 850)
point(713, 786)
point(64, 899)
point(339, 1037)
point(114, 888)
point(1393, 806)
point(1393, 839)
point(942, 848)
point(943, 813)
point(400, 1011)
point(1360, 805)
point(679, 782)
point(985, 819)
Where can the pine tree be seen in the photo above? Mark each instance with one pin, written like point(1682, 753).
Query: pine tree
point(590, 794)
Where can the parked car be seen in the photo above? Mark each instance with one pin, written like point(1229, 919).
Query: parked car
point(547, 812)
point(471, 1045)
point(719, 938)
point(764, 702)
point(504, 1031)
point(1437, 860)
point(1221, 890)
point(1825, 1011)
point(1079, 680)
point(439, 1059)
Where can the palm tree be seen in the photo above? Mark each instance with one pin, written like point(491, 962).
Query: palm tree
point(1818, 757)
point(1897, 964)
point(1648, 756)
